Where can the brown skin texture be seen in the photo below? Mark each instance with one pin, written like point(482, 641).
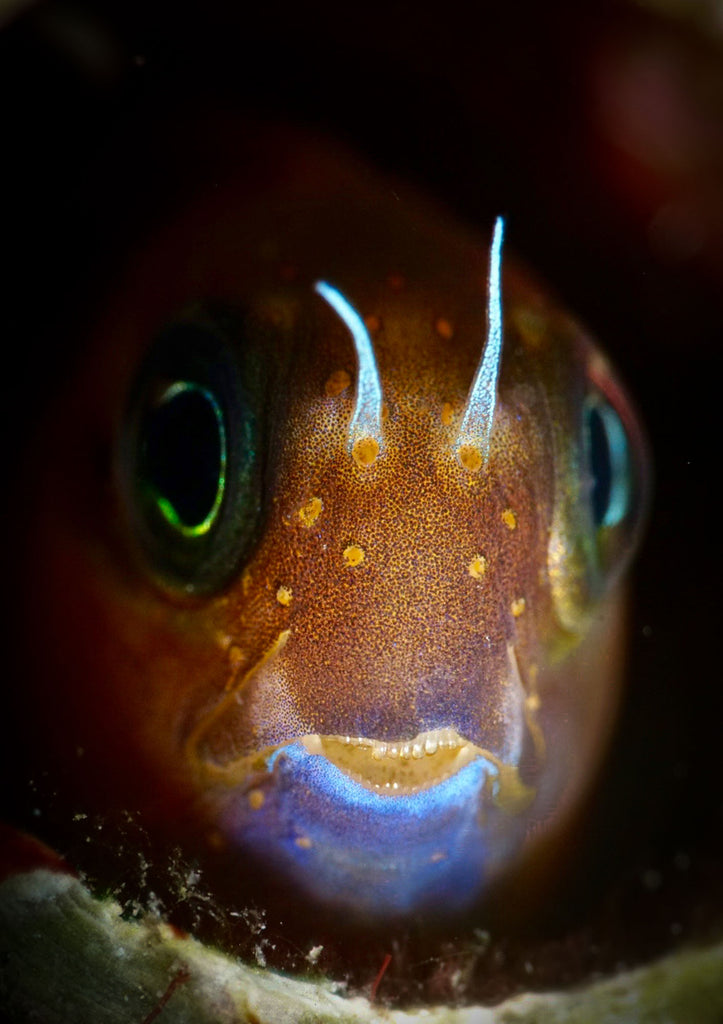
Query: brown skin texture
point(133, 687)
point(502, 117)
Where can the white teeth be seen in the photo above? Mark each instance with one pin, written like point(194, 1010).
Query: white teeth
point(448, 739)
point(425, 744)
point(357, 741)
point(313, 743)
point(401, 766)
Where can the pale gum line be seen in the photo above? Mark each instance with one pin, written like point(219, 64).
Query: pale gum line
point(476, 427)
point(366, 420)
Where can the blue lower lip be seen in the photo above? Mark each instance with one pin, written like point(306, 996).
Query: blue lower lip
point(351, 848)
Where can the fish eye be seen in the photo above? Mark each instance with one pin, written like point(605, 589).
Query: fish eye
point(608, 454)
point(615, 472)
point(183, 457)
point(189, 468)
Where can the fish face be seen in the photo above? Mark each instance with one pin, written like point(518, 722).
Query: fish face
point(359, 645)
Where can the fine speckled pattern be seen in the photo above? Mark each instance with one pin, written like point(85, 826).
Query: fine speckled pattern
point(396, 679)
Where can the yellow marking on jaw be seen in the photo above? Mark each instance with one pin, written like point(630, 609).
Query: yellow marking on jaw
point(447, 414)
point(471, 458)
point(284, 596)
point(206, 724)
point(310, 512)
point(337, 383)
point(512, 796)
point(365, 451)
point(444, 328)
point(245, 581)
point(533, 703)
point(353, 556)
point(235, 657)
point(477, 567)
point(509, 519)
point(256, 799)
point(518, 607)
point(235, 660)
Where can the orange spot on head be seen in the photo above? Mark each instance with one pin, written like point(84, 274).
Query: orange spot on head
point(372, 323)
point(509, 519)
point(518, 607)
point(444, 328)
point(353, 556)
point(256, 799)
point(471, 458)
point(310, 512)
point(284, 596)
point(365, 451)
point(438, 856)
point(303, 842)
point(477, 567)
point(337, 383)
point(395, 281)
point(447, 414)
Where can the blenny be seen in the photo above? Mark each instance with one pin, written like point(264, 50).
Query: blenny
point(332, 536)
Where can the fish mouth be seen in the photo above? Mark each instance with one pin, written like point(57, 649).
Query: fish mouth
point(376, 828)
point(397, 767)
point(386, 768)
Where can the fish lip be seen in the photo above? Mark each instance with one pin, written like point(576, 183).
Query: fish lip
point(396, 767)
point(373, 853)
point(388, 769)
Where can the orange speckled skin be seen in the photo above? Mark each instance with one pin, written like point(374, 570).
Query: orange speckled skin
point(152, 690)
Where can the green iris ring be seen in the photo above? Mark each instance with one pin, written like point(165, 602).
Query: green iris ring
point(164, 505)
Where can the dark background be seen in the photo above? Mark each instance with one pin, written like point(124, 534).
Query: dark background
point(598, 130)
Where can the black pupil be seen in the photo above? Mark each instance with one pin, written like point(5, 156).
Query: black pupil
point(183, 454)
point(600, 464)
